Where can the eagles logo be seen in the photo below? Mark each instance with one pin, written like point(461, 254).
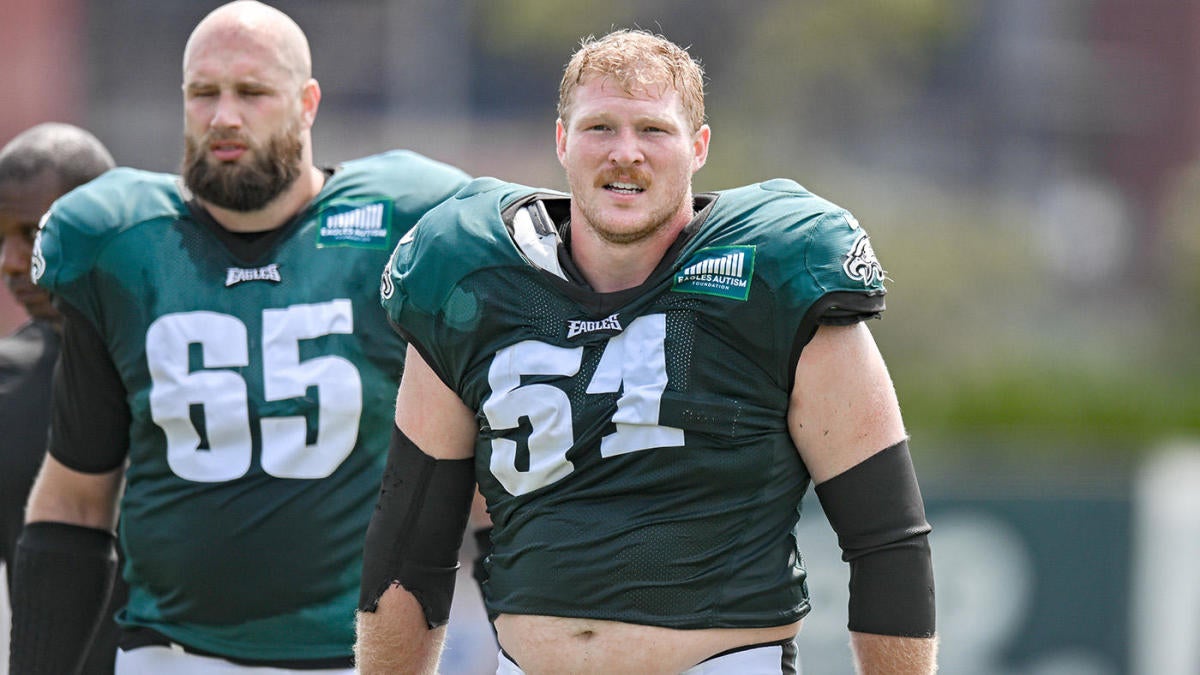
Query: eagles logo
point(37, 264)
point(386, 288)
point(860, 263)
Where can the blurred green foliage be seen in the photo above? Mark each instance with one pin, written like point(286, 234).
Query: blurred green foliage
point(984, 339)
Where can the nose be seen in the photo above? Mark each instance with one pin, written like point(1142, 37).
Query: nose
point(226, 114)
point(626, 149)
point(14, 256)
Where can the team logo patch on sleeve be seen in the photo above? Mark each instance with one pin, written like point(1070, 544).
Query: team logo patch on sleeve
point(37, 264)
point(860, 263)
point(358, 225)
point(386, 287)
point(724, 271)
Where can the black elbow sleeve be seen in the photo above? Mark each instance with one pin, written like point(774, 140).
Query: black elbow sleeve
point(62, 577)
point(877, 511)
point(417, 529)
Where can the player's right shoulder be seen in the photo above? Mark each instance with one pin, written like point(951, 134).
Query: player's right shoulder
point(473, 216)
point(117, 199)
point(462, 235)
point(81, 222)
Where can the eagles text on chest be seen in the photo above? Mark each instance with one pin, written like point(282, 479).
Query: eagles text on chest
point(575, 328)
point(236, 275)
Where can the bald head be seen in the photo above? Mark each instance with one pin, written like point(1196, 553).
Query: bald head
point(37, 167)
point(73, 155)
point(249, 20)
point(249, 103)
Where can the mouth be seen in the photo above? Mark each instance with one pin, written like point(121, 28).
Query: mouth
point(227, 151)
point(622, 188)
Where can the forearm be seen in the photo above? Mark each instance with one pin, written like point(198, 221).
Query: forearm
point(892, 655)
point(396, 638)
point(62, 495)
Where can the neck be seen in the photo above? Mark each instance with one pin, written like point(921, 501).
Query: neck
point(609, 267)
point(278, 211)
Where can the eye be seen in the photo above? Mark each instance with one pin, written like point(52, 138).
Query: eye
point(21, 232)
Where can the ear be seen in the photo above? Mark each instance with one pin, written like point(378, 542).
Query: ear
point(700, 147)
point(310, 100)
point(560, 139)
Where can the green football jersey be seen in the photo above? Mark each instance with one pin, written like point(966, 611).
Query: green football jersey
point(633, 447)
point(261, 394)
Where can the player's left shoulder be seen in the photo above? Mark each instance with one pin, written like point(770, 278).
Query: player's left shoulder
point(778, 206)
point(409, 179)
point(779, 212)
point(791, 229)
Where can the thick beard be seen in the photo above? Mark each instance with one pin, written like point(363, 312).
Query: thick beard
point(249, 187)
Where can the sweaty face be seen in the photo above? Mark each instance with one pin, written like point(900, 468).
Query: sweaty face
point(629, 160)
point(21, 207)
point(259, 174)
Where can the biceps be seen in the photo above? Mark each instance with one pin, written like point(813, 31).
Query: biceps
point(843, 407)
point(431, 414)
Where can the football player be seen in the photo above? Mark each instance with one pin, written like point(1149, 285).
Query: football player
point(226, 373)
point(644, 382)
point(36, 167)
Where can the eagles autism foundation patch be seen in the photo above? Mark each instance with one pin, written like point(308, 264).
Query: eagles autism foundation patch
point(358, 225)
point(723, 271)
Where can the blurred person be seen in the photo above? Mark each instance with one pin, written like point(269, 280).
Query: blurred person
point(643, 381)
point(36, 167)
point(227, 374)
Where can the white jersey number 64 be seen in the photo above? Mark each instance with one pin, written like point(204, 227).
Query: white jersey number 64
point(634, 363)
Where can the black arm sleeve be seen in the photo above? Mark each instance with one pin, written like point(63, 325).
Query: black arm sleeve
point(417, 528)
point(62, 578)
point(89, 422)
point(877, 511)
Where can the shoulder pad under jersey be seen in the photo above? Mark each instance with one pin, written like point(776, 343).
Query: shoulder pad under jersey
point(455, 238)
point(414, 183)
point(804, 246)
point(79, 224)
